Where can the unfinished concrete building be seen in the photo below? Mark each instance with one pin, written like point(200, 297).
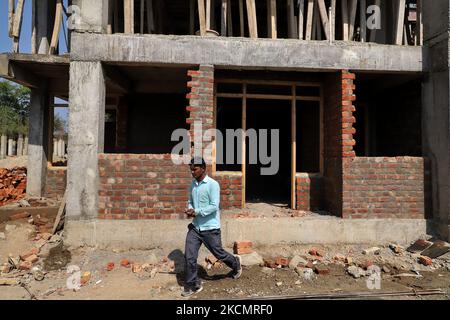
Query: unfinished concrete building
point(359, 90)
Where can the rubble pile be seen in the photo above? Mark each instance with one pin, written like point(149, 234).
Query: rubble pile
point(13, 184)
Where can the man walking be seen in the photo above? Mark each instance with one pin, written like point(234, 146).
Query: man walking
point(203, 207)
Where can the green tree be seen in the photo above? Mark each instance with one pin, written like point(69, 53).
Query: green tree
point(14, 109)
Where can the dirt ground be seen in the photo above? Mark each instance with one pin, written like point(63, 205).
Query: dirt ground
point(11, 162)
point(164, 278)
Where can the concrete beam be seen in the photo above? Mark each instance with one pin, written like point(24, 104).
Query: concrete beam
point(86, 137)
point(37, 158)
point(14, 72)
point(146, 234)
point(282, 54)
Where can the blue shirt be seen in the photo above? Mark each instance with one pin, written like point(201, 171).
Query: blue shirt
point(204, 198)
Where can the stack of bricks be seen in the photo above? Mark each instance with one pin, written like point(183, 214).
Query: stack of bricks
point(309, 191)
point(201, 104)
point(55, 183)
point(382, 187)
point(242, 247)
point(230, 189)
point(348, 97)
point(138, 186)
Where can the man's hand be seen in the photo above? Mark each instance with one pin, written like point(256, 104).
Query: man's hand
point(190, 213)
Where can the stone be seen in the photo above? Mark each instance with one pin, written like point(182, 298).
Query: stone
point(279, 284)
point(6, 268)
point(136, 268)
point(125, 263)
point(305, 273)
point(348, 260)
point(85, 278)
point(366, 264)
point(296, 260)
point(373, 250)
point(24, 203)
point(2, 236)
point(153, 272)
point(356, 272)
point(396, 248)
point(10, 227)
point(251, 259)
point(386, 269)
point(152, 259)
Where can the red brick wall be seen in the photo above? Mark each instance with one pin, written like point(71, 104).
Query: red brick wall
point(142, 186)
point(384, 187)
point(230, 189)
point(309, 191)
point(55, 183)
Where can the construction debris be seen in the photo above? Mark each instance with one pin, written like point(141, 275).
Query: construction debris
point(296, 261)
point(13, 183)
point(373, 250)
point(242, 247)
point(2, 236)
point(316, 252)
point(396, 248)
point(419, 246)
point(439, 248)
point(356, 272)
point(426, 261)
point(8, 282)
point(19, 216)
point(251, 259)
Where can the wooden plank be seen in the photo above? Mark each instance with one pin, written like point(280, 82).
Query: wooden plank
point(301, 19)
point(324, 18)
point(252, 22)
point(293, 147)
point(229, 19)
point(363, 20)
point(272, 18)
point(10, 17)
point(333, 19)
point(141, 20)
point(352, 12)
point(223, 19)
point(309, 19)
point(202, 17)
point(292, 28)
point(59, 220)
point(33, 27)
point(345, 28)
point(151, 19)
point(18, 19)
point(241, 17)
point(192, 17)
point(128, 11)
point(419, 25)
point(400, 21)
point(244, 147)
point(56, 27)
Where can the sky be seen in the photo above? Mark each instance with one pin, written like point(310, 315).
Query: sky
point(25, 38)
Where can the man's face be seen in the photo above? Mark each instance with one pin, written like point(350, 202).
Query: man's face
point(197, 171)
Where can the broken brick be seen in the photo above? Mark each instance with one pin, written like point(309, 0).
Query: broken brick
point(33, 258)
point(316, 252)
point(321, 270)
point(110, 266)
point(242, 247)
point(85, 278)
point(269, 263)
point(282, 261)
point(125, 263)
point(25, 265)
point(30, 253)
point(310, 265)
point(19, 216)
point(211, 259)
point(426, 261)
point(366, 264)
point(348, 260)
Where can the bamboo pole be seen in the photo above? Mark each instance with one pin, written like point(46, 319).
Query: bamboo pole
point(362, 20)
point(309, 20)
point(208, 14)
point(202, 16)
point(192, 16)
point(400, 21)
point(224, 11)
point(333, 20)
point(301, 19)
point(252, 20)
point(151, 19)
point(241, 17)
point(10, 17)
point(324, 18)
point(141, 20)
point(229, 19)
point(345, 28)
point(128, 10)
point(243, 142)
point(293, 147)
point(352, 12)
point(56, 27)
point(292, 28)
point(33, 27)
point(272, 18)
point(419, 27)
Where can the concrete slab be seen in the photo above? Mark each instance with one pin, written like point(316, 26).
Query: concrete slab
point(145, 234)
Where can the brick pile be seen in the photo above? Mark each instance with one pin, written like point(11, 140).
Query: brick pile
point(13, 184)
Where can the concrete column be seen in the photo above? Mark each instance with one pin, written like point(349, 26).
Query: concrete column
point(93, 15)
point(14, 147)
point(25, 146)
point(37, 157)
point(63, 148)
point(3, 145)
point(10, 147)
point(86, 138)
point(436, 109)
point(55, 149)
point(20, 145)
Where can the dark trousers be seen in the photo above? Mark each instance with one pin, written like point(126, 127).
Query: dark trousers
point(213, 242)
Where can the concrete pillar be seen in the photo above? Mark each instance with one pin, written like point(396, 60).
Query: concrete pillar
point(63, 148)
point(10, 147)
point(86, 138)
point(25, 146)
point(3, 145)
point(20, 145)
point(14, 147)
point(37, 157)
point(93, 15)
point(55, 149)
point(436, 109)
